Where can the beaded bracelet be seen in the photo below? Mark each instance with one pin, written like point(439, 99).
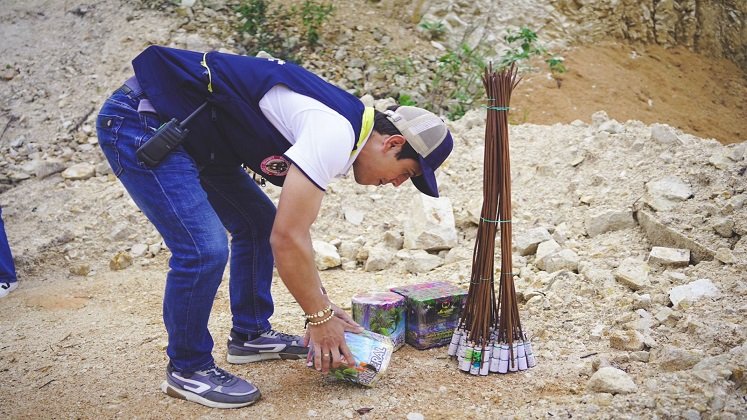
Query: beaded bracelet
point(327, 319)
point(319, 314)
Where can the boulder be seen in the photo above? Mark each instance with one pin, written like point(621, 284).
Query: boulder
point(611, 380)
point(664, 134)
point(632, 273)
point(325, 255)
point(79, 171)
point(431, 225)
point(629, 340)
point(672, 359)
point(607, 221)
point(666, 193)
point(379, 258)
point(525, 243)
point(682, 296)
point(419, 261)
point(669, 257)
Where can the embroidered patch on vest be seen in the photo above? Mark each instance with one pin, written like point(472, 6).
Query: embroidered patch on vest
point(275, 165)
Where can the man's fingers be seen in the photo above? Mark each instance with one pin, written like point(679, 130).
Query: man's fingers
point(353, 328)
point(335, 358)
point(326, 361)
point(307, 338)
point(347, 354)
point(318, 357)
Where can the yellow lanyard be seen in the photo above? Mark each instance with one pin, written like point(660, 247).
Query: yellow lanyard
point(210, 76)
point(366, 128)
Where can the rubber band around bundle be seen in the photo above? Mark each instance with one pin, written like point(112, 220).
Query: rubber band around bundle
point(495, 221)
point(480, 280)
point(498, 108)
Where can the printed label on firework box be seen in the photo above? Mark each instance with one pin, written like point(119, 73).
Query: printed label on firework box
point(372, 353)
point(382, 313)
point(432, 312)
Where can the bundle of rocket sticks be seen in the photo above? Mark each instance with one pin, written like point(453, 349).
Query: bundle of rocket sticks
point(489, 337)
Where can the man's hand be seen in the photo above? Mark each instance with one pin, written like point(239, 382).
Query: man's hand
point(348, 325)
point(327, 341)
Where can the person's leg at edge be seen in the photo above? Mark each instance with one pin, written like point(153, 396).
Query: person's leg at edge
point(172, 198)
point(8, 278)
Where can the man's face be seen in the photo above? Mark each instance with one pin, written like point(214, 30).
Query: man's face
point(377, 163)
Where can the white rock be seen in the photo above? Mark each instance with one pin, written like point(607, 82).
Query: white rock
point(723, 226)
point(354, 215)
point(138, 250)
point(526, 243)
point(564, 259)
point(325, 255)
point(79, 171)
point(415, 416)
point(608, 221)
point(546, 248)
point(611, 380)
point(393, 240)
point(725, 255)
point(630, 340)
point(430, 225)
point(684, 295)
point(349, 249)
point(664, 134)
point(419, 261)
point(665, 193)
point(598, 118)
point(632, 273)
point(458, 254)
point(669, 257)
point(48, 167)
point(611, 126)
point(672, 359)
point(379, 258)
point(720, 161)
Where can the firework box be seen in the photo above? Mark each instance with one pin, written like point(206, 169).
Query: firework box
point(383, 313)
point(432, 312)
point(372, 353)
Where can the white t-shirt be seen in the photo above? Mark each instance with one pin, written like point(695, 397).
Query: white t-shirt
point(321, 138)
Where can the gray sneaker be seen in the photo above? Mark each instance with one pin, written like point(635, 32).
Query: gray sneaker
point(269, 345)
point(213, 387)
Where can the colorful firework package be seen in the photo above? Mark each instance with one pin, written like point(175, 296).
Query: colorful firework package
point(382, 313)
point(372, 353)
point(432, 312)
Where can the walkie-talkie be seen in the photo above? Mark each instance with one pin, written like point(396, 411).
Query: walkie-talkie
point(168, 136)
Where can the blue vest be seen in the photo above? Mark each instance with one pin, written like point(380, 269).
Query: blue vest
point(232, 130)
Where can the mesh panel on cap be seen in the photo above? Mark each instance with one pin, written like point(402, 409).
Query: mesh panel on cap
point(422, 129)
point(431, 137)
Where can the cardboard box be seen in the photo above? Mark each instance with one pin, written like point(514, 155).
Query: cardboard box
point(382, 313)
point(433, 311)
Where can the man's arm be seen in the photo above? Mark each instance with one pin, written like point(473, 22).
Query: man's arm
point(298, 207)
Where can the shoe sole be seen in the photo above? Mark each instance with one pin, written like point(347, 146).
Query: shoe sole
point(251, 358)
point(181, 394)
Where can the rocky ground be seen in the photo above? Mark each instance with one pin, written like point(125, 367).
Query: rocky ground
point(621, 327)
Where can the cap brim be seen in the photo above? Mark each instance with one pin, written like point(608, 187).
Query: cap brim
point(426, 183)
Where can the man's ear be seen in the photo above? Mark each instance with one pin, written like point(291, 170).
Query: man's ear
point(394, 141)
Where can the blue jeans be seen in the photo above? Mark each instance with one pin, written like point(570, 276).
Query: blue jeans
point(7, 268)
point(192, 208)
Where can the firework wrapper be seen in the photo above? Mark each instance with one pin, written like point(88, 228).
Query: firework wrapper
point(382, 313)
point(372, 353)
point(432, 312)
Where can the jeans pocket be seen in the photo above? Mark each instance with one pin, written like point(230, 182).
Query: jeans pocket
point(107, 129)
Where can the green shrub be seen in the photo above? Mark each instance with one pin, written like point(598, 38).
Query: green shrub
point(284, 33)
